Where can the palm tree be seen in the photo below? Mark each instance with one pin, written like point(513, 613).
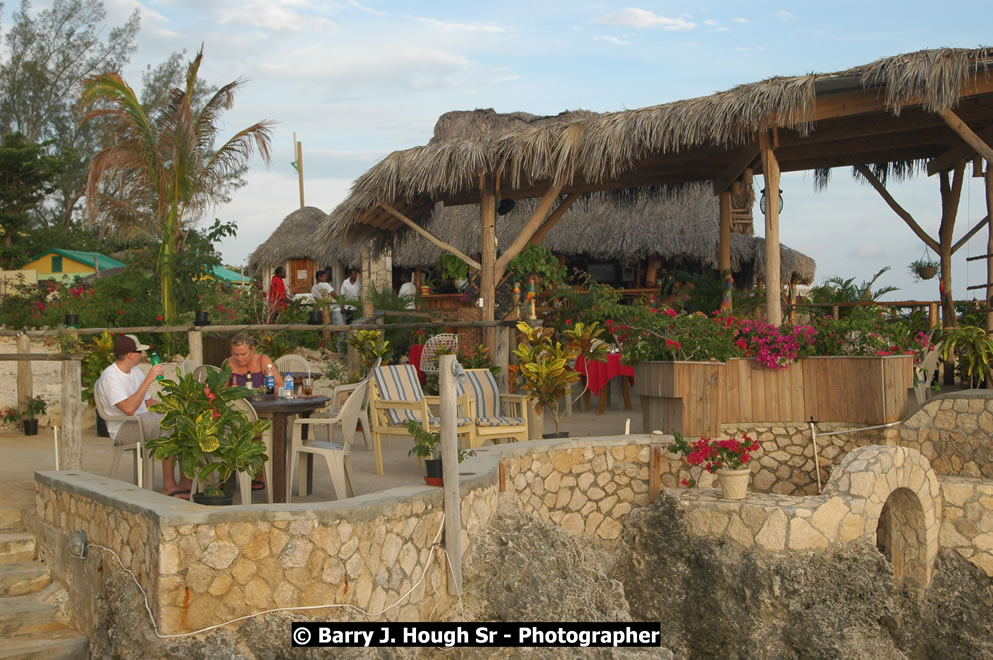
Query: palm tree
point(162, 163)
point(838, 290)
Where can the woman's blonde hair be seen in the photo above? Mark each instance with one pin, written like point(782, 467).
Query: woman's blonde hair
point(243, 339)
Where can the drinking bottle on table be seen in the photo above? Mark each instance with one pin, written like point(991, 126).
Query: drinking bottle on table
point(270, 380)
point(288, 382)
point(156, 360)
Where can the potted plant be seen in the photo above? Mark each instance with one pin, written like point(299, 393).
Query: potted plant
point(211, 439)
point(538, 262)
point(427, 283)
point(726, 458)
point(426, 448)
point(35, 406)
point(971, 348)
point(924, 268)
point(544, 371)
point(371, 347)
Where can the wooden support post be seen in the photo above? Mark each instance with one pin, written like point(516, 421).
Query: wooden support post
point(450, 472)
point(195, 340)
point(501, 358)
point(989, 251)
point(655, 472)
point(71, 438)
point(835, 312)
point(932, 315)
point(770, 172)
point(25, 387)
point(488, 256)
point(299, 154)
point(352, 362)
point(725, 249)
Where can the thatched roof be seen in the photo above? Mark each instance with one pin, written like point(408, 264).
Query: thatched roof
point(295, 238)
point(681, 142)
point(680, 225)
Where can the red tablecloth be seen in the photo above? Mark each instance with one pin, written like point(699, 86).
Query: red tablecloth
point(415, 359)
point(600, 373)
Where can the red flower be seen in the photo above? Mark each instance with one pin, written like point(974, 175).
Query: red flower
point(159, 318)
point(568, 322)
point(120, 311)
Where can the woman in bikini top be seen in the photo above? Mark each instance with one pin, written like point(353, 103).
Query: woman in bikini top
point(248, 368)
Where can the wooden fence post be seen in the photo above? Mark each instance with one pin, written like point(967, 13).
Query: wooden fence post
point(71, 438)
point(501, 358)
point(195, 339)
point(450, 472)
point(655, 473)
point(24, 384)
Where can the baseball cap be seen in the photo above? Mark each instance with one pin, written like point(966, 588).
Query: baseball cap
point(124, 344)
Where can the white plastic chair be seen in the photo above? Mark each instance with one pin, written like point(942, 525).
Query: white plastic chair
point(338, 397)
point(188, 366)
point(245, 479)
point(924, 374)
point(129, 437)
point(337, 455)
point(200, 373)
point(429, 356)
point(295, 364)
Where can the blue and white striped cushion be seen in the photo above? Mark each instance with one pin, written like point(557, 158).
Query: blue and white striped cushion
point(400, 417)
point(499, 421)
point(398, 383)
point(483, 388)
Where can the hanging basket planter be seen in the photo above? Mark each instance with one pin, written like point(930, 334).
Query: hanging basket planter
point(923, 269)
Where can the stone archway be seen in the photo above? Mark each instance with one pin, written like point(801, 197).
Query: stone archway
point(899, 498)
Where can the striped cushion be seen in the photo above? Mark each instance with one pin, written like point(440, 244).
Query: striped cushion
point(499, 421)
point(483, 387)
point(398, 383)
point(401, 417)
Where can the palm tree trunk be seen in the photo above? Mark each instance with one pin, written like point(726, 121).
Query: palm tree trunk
point(950, 195)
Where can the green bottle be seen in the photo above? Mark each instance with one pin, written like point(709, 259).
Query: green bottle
point(156, 360)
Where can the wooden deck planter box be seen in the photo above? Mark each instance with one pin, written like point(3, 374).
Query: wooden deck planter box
point(681, 396)
point(695, 398)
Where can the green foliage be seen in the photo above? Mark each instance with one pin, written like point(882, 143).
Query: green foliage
point(972, 348)
point(386, 299)
point(36, 405)
point(864, 331)
point(27, 175)
point(539, 261)
point(100, 353)
point(425, 442)
point(51, 52)
point(544, 370)
point(211, 439)
point(838, 290)
point(650, 333)
point(451, 267)
point(371, 346)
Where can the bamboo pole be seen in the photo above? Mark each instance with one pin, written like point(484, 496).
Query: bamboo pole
point(195, 339)
point(450, 472)
point(299, 155)
point(488, 247)
point(724, 199)
point(770, 172)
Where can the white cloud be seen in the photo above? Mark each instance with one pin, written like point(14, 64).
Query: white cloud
point(711, 23)
point(368, 10)
point(722, 29)
point(278, 15)
point(461, 27)
point(740, 20)
point(613, 40)
point(784, 15)
point(641, 18)
point(867, 251)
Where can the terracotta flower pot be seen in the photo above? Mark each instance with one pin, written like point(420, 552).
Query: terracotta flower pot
point(734, 483)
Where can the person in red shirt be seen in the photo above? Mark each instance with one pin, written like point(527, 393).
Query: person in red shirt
point(277, 290)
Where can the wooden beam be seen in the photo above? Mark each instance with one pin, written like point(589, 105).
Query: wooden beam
point(958, 152)
point(431, 237)
point(972, 232)
point(532, 225)
point(724, 250)
point(899, 210)
point(742, 161)
point(553, 219)
point(488, 249)
point(770, 171)
point(967, 134)
point(873, 100)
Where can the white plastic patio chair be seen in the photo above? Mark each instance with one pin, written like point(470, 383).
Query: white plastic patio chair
point(924, 374)
point(295, 364)
point(129, 437)
point(429, 356)
point(337, 455)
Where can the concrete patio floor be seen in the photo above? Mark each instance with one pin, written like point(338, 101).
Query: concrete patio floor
point(23, 455)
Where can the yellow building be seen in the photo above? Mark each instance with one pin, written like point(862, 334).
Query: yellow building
point(66, 265)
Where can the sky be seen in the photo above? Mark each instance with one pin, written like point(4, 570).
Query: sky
point(358, 80)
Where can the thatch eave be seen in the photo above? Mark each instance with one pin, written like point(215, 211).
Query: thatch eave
point(296, 238)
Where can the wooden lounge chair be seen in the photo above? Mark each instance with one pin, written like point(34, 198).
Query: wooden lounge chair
point(489, 417)
point(396, 397)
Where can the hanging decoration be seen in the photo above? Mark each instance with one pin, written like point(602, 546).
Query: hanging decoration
point(924, 268)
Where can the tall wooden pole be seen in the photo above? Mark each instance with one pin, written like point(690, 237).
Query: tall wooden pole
point(487, 191)
point(989, 248)
point(770, 172)
point(450, 472)
point(25, 388)
point(299, 156)
point(71, 438)
point(725, 250)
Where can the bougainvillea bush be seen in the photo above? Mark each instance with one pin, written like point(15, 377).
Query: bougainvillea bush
point(714, 455)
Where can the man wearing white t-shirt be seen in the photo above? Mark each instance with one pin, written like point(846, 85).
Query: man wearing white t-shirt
point(407, 290)
point(324, 291)
point(124, 386)
point(351, 289)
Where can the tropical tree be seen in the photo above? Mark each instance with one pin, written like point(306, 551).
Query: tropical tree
point(26, 176)
point(162, 170)
point(838, 290)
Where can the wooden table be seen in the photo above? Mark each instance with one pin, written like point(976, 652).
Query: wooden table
point(599, 375)
point(280, 410)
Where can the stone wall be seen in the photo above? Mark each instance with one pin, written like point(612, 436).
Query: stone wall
point(967, 519)
point(588, 490)
point(955, 432)
point(894, 484)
